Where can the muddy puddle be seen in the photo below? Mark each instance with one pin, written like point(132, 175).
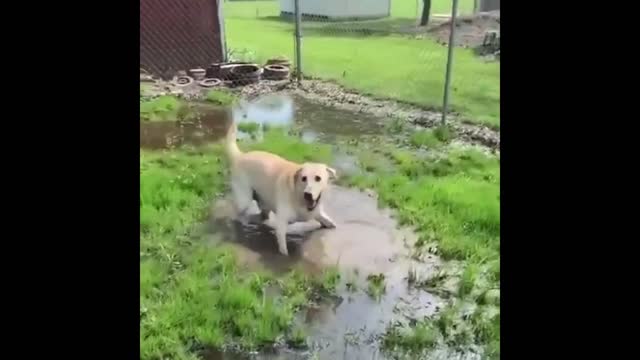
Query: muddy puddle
point(207, 123)
point(367, 241)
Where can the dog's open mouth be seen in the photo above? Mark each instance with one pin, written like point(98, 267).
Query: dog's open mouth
point(311, 203)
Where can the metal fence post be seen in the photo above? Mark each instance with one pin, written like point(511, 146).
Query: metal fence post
point(447, 80)
point(223, 33)
point(298, 36)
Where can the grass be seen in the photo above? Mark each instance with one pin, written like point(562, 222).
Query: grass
point(430, 138)
point(377, 286)
point(278, 141)
point(415, 339)
point(168, 107)
point(221, 97)
point(249, 127)
point(408, 8)
point(193, 294)
point(459, 191)
point(468, 279)
point(298, 339)
point(454, 201)
point(409, 69)
point(161, 108)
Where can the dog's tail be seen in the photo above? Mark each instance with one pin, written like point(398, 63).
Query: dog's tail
point(231, 142)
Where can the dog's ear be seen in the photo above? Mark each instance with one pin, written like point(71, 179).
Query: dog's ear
point(332, 173)
point(296, 175)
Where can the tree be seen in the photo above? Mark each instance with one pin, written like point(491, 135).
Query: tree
point(426, 10)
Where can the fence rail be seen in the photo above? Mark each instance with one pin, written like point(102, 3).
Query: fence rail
point(378, 47)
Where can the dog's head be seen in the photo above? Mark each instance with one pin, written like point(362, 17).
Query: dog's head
point(311, 180)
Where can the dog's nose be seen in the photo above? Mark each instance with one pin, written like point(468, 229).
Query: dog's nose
point(308, 196)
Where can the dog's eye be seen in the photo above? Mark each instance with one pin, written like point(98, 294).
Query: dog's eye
point(317, 178)
point(304, 179)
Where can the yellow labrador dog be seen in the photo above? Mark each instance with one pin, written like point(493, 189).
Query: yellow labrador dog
point(293, 192)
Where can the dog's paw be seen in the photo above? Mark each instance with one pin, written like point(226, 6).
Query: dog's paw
point(326, 222)
point(284, 251)
point(328, 225)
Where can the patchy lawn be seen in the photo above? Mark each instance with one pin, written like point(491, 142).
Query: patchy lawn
point(453, 201)
point(193, 294)
point(377, 63)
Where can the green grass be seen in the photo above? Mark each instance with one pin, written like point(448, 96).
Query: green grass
point(161, 108)
point(277, 141)
point(191, 292)
point(420, 337)
point(221, 97)
point(468, 279)
point(430, 138)
point(408, 8)
point(377, 286)
point(408, 69)
point(460, 192)
point(453, 202)
point(249, 127)
point(144, 89)
point(330, 280)
point(298, 339)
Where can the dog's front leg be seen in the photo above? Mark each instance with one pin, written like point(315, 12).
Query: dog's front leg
point(325, 220)
point(281, 234)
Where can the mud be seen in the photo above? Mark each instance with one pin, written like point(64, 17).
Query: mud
point(366, 241)
point(208, 123)
point(470, 29)
point(358, 218)
point(354, 105)
point(315, 120)
point(332, 95)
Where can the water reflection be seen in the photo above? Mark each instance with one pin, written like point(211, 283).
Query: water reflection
point(316, 122)
point(273, 110)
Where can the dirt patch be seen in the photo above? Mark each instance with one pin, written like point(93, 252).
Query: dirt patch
point(470, 29)
point(333, 95)
point(367, 241)
point(366, 238)
point(207, 124)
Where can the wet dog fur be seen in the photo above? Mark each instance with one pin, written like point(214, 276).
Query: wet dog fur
point(288, 190)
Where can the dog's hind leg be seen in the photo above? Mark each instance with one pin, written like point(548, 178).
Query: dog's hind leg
point(242, 198)
point(264, 212)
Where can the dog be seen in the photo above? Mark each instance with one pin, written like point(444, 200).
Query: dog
point(290, 191)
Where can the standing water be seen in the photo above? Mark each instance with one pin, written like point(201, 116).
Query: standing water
point(367, 240)
point(208, 123)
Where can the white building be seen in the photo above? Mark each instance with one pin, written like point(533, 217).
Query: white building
point(339, 9)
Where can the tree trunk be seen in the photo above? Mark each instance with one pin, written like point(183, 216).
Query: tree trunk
point(426, 10)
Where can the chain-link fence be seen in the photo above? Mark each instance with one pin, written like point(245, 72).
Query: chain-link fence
point(179, 34)
point(394, 49)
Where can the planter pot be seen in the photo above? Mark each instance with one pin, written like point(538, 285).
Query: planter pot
point(276, 72)
point(245, 74)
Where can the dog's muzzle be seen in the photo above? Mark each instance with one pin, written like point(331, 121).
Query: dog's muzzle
point(310, 202)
